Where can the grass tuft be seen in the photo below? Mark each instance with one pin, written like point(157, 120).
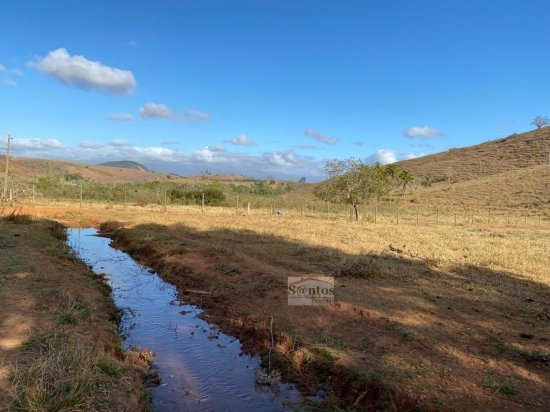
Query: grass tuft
point(72, 311)
point(66, 376)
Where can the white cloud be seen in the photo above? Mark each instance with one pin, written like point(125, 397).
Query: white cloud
point(215, 159)
point(241, 140)
point(121, 117)
point(119, 143)
point(85, 74)
point(192, 115)
point(20, 144)
point(409, 156)
point(383, 156)
point(423, 132)
point(156, 111)
point(161, 153)
point(387, 156)
point(314, 134)
point(161, 111)
point(13, 72)
point(10, 82)
point(90, 145)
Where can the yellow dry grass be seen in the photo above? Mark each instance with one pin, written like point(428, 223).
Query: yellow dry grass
point(446, 244)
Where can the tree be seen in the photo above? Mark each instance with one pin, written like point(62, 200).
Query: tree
point(392, 170)
point(406, 177)
point(540, 122)
point(352, 182)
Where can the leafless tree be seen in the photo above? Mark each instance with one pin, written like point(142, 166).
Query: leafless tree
point(540, 122)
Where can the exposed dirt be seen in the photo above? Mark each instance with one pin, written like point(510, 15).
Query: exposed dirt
point(48, 296)
point(409, 333)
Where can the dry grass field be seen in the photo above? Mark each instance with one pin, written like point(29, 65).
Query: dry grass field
point(450, 317)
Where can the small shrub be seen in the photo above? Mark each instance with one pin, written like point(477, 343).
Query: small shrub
point(361, 266)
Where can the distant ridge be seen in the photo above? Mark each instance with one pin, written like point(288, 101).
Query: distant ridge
point(126, 164)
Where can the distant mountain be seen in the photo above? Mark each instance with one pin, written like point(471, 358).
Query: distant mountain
point(126, 164)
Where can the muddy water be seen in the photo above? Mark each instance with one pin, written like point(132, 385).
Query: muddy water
point(201, 368)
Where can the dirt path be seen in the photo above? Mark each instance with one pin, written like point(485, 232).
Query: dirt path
point(59, 346)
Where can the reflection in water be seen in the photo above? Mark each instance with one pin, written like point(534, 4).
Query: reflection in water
point(200, 367)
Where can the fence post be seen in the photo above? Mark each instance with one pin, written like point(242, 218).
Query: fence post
point(455, 218)
point(417, 216)
point(203, 202)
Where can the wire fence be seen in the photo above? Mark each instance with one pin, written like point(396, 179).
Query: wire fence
point(379, 212)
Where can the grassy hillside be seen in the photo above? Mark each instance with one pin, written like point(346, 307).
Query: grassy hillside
point(486, 159)
point(527, 188)
point(29, 168)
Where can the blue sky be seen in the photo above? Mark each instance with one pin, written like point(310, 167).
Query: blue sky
point(267, 87)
